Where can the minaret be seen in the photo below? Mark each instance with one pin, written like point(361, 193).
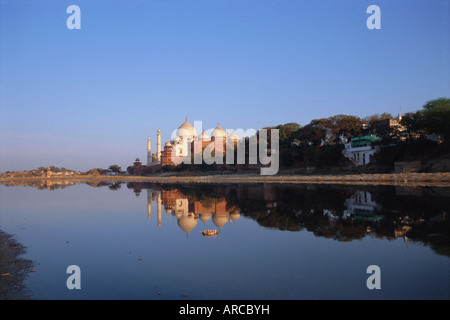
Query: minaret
point(149, 152)
point(158, 146)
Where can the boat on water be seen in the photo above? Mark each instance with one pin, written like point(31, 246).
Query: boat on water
point(210, 232)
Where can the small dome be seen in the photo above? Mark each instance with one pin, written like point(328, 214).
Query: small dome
point(205, 217)
point(233, 137)
point(204, 137)
point(186, 130)
point(234, 215)
point(219, 133)
point(168, 144)
point(220, 220)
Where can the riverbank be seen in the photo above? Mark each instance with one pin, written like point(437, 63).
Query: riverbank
point(13, 269)
point(411, 179)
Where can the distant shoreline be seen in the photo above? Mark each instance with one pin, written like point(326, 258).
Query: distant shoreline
point(412, 179)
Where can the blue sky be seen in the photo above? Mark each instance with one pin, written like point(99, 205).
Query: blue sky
point(89, 98)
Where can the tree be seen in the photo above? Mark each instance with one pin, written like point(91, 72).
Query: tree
point(345, 127)
point(377, 117)
point(115, 186)
point(435, 117)
point(315, 133)
point(412, 123)
point(285, 134)
point(115, 168)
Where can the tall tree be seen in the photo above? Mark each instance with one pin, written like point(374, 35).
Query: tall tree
point(345, 127)
point(377, 117)
point(286, 133)
point(436, 117)
point(315, 133)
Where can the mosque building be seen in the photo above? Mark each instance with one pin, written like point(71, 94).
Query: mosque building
point(186, 142)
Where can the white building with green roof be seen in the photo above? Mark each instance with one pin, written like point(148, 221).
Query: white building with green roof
point(361, 149)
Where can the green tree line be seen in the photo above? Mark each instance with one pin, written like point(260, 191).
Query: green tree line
point(320, 142)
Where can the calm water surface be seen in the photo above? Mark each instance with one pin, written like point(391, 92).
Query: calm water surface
point(144, 241)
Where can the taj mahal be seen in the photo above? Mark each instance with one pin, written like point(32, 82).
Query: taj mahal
point(186, 142)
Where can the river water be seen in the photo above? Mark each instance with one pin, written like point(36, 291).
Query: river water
point(274, 241)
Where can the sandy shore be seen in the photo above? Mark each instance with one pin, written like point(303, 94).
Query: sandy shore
point(415, 179)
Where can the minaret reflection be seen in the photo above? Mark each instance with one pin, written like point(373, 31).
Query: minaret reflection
point(158, 203)
point(154, 196)
point(149, 202)
point(189, 212)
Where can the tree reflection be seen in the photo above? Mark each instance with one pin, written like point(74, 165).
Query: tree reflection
point(336, 212)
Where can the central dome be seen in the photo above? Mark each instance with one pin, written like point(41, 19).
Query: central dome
point(186, 130)
point(187, 222)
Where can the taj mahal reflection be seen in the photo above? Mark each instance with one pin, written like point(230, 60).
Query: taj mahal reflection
point(189, 208)
point(188, 213)
point(340, 213)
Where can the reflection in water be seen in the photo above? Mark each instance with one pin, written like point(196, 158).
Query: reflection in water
point(305, 232)
point(337, 212)
point(187, 211)
point(361, 206)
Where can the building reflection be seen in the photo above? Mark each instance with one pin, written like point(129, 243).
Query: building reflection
point(361, 206)
point(187, 211)
point(336, 212)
